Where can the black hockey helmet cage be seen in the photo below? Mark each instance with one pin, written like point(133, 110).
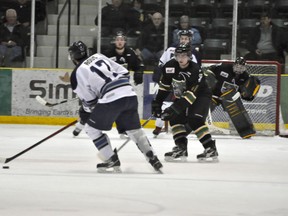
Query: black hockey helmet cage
point(239, 65)
point(184, 48)
point(120, 34)
point(188, 33)
point(240, 61)
point(78, 51)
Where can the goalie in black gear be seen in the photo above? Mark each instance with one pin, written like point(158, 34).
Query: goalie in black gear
point(190, 106)
point(234, 83)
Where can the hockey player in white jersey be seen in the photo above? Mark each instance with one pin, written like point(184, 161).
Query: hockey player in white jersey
point(108, 97)
point(184, 36)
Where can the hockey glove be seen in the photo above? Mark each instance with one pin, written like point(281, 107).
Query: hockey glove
point(156, 108)
point(171, 112)
point(138, 77)
point(250, 88)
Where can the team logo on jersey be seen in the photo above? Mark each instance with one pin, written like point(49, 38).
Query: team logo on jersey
point(170, 70)
point(224, 74)
point(122, 59)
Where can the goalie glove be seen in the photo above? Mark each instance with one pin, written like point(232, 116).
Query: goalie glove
point(156, 108)
point(250, 88)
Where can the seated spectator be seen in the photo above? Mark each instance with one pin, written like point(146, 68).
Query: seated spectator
point(11, 39)
point(185, 25)
point(137, 17)
point(151, 41)
point(266, 42)
point(114, 18)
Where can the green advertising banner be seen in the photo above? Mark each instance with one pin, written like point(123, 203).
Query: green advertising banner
point(5, 91)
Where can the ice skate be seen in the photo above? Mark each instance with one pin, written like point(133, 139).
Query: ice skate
point(79, 127)
point(111, 165)
point(154, 161)
point(208, 153)
point(76, 131)
point(177, 154)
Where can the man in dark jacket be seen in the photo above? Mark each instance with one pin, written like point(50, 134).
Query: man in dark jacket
point(11, 39)
point(266, 42)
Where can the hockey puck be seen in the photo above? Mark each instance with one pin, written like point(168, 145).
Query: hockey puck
point(5, 167)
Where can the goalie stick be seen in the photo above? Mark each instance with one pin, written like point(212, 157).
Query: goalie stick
point(7, 160)
point(46, 103)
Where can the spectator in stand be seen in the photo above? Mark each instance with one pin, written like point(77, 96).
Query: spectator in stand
point(11, 39)
point(184, 24)
point(137, 17)
point(151, 41)
point(266, 42)
point(114, 18)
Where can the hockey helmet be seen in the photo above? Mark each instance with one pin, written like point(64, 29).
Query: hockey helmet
point(120, 34)
point(184, 48)
point(239, 65)
point(185, 33)
point(78, 51)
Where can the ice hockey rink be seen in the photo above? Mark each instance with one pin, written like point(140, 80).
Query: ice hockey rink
point(59, 177)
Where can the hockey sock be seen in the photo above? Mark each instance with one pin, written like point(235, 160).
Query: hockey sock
point(103, 145)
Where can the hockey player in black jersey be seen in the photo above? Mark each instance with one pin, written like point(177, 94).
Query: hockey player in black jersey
point(107, 96)
point(184, 36)
point(125, 56)
point(234, 83)
point(190, 107)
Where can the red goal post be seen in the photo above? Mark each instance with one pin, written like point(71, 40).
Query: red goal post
point(265, 108)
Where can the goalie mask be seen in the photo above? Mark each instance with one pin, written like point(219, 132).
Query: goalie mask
point(78, 51)
point(239, 65)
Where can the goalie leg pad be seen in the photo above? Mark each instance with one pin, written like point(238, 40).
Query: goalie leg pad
point(239, 117)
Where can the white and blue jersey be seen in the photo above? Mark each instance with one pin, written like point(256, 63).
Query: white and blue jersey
point(99, 79)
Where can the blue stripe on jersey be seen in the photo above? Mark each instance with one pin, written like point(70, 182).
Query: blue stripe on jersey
point(114, 85)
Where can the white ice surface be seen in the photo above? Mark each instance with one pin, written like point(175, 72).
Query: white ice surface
point(59, 177)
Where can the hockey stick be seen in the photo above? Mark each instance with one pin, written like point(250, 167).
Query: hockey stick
point(6, 160)
point(46, 103)
point(128, 139)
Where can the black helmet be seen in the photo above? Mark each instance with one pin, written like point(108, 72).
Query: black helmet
point(78, 51)
point(239, 65)
point(240, 61)
point(185, 33)
point(184, 48)
point(120, 34)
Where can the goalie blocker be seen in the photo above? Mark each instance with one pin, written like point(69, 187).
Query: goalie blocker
point(233, 105)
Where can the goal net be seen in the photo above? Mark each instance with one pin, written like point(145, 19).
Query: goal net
point(264, 109)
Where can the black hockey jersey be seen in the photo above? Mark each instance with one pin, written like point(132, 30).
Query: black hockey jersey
point(226, 78)
point(180, 81)
point(128, 59)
